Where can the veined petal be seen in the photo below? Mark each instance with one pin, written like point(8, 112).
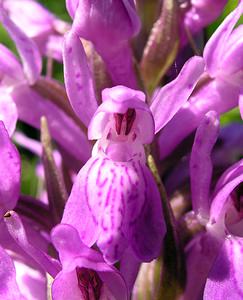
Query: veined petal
point(216, 95)
point(31, 107)
point(9, 172)
point(113, 199)
point(222, 196)
point(225, 280)
point(201, 163)
point(171, 97)
point(8, 289)
point(215, 47)
point(27, 49)
point(78, 79)
point(8, 111)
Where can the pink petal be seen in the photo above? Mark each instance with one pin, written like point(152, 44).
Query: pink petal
point(201, 163)
point(225, 280)
point(27, 49)
point(9, 172)
point(8, 289)
point(31, 107)
point(214, 50)
point(216, 95)
point(8, 111)
point(18, 233)
point(172, 96)
point(78, 78)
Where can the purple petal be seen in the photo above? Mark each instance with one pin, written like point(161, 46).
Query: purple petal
point(214, 50)
point(78, 78)
point(27, 49)
point(216, 95)
point(232, 64)
point(118, 100)
point(171, 97)
point(201, 163)
point(18, 233)
point(10, 68)
point(241, 106)
point(31, 107)
point(200, 255)
point(148, 231)
point(8, 289)
point(222, 195)
point(53, 47)
point(8, 112)
point(225, 279)
point(115, 198)
point(21, 12)
point(9, 172)
point(72, 6)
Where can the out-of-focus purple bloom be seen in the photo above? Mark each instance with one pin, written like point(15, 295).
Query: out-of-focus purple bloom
point(198, 14)
point(219, 88)
point(109, 26)
point(42, 26)
point(84, 272)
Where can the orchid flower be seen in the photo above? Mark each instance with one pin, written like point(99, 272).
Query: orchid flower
point(220, 86)
point(84, 273)
point(220, 247)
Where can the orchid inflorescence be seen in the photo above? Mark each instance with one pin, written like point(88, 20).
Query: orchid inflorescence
point(140, 186)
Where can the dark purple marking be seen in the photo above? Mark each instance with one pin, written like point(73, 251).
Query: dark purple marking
point(89, 282)
point(70, 49)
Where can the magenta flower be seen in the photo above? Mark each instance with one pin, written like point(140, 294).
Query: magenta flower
point(115, 191)
point(84, 273)
point(220, 87)
point(220, 248)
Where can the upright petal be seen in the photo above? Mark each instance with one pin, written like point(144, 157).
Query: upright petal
point(78, 78)
point(201, 163)
point(217, 95)
point(171, 97)
point(9, 172)
point(8, 289)
point(225, 280)
point(215, 47)
point(27, 49)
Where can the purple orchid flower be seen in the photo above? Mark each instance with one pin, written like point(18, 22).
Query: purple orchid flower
point(220, 247)
point(84, 272)
point(219, 88)
point(42, 26)
point(109, 26)
point(116, 177)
